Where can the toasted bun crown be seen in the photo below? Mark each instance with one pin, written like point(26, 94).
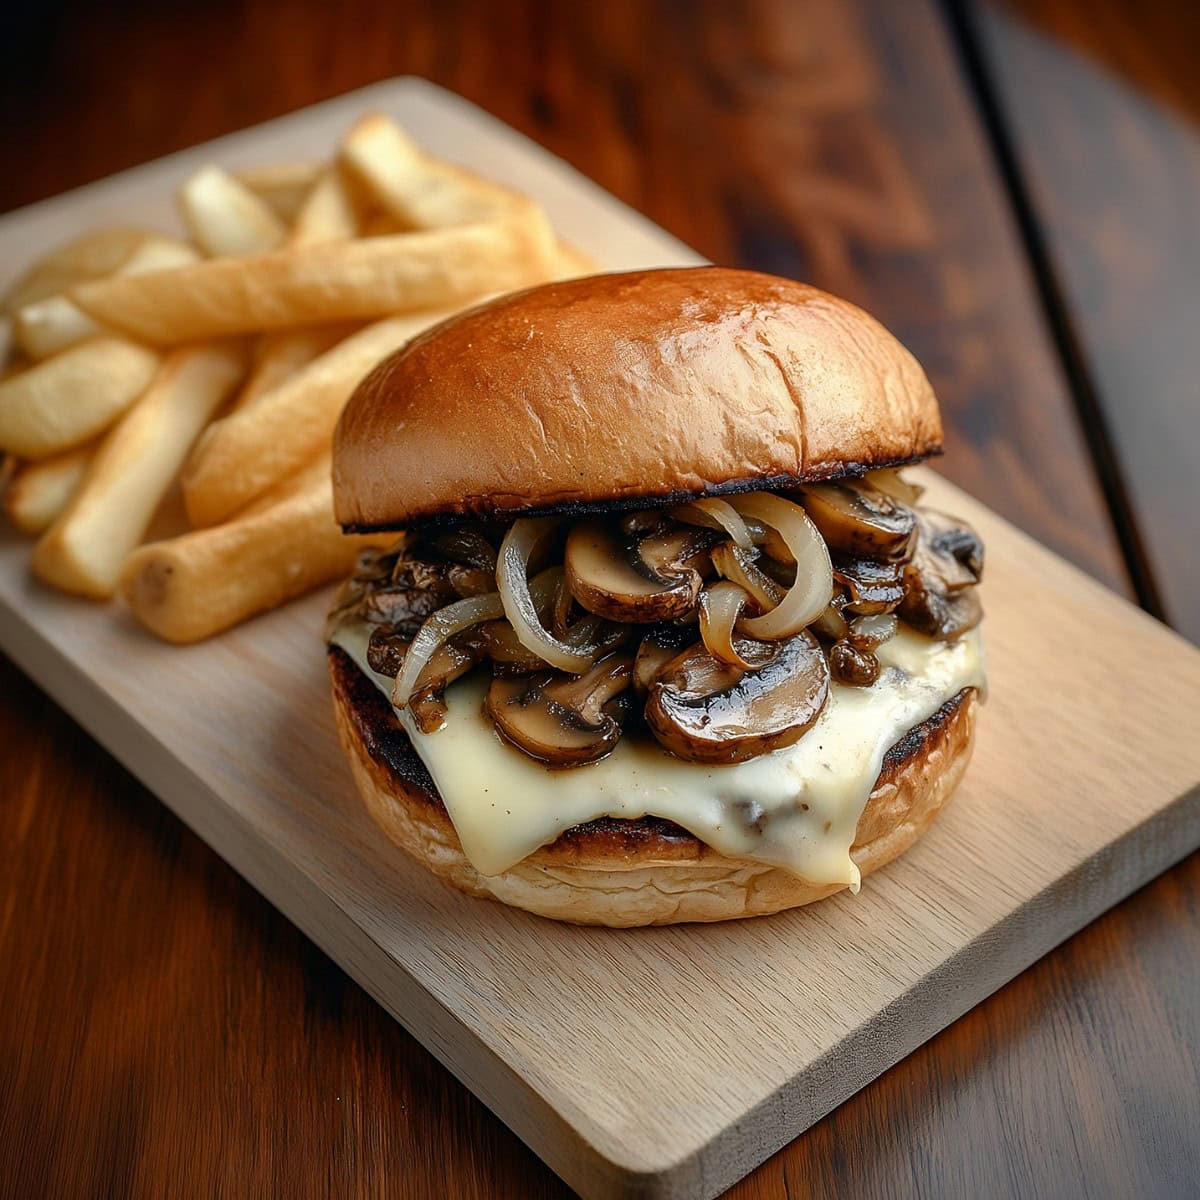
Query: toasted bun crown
point(617, 387)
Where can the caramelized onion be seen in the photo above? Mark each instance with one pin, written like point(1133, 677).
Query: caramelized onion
point(438, 627)
point(888, 481)
point(738, 567)
point(807, 598)
point(721, 605)
point(713, 513)
point(512, 577)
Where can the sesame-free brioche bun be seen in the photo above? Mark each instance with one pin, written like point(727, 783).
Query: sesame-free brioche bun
point(628, 388)
point(649, 871)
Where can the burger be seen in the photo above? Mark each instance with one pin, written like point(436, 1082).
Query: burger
point(666, 635)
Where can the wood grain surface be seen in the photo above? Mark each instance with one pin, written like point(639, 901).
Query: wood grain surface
point(1103, 118)
point(1079, 1078)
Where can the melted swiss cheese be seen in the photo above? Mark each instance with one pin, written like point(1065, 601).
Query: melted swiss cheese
point(796, 808)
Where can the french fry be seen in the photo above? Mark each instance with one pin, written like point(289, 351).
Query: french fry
point(50, 325)
point(419, 191)
point(84, 549)
point(283, 186)
point(226, 217)
point(89, 256)
point(191, 587)
point(329, 213)
point(331, 281)
point(249, 451)
point(39, 491)
point(280, 355)
point(68, 399)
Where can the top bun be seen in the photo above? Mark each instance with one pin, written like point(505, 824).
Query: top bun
point(626, 388)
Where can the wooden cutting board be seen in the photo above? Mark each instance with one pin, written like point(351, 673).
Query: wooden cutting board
point(661, 1062)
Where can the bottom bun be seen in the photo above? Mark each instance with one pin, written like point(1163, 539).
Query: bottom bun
point(637, 872)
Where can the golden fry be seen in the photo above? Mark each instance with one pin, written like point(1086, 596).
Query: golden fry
point(419, 191)
point(39, 491)
point(84, 549)
point(283, 186)
point(328, 214)
point(280, 355)
point(89, 256)
point(67, 399)
point(226, 217)
point(331, 281)
point(191, 587)
point(252, 449)
point(48, 326)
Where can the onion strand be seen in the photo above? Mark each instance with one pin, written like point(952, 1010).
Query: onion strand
point(710, 512)
point(521, 543)
point(721, 605)
point(437, 629)
point(808, 597)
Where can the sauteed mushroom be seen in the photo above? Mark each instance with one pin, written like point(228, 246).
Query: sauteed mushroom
point(704, 711)
point(386, 651)
point(561, 720)
point(659, 645)
point(852, 665)
point(852, 658)
point(614, 580)
point(871, 587)
point(467, 546)
point(939, 595)
point(858, 520)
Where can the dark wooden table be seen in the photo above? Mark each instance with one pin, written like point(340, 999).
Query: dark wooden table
point(1013, 189)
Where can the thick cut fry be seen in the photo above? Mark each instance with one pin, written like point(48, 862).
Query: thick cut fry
point(71, 397)
point(283, 186)
point(48, 326)
point(39, 491)
point(226, 217)
point(194, 586)
point(90, 256)
point(421, 192)
point(84, 549)
point(332, 281)
point(280, 355)
point(251, 450)
point(328, 214)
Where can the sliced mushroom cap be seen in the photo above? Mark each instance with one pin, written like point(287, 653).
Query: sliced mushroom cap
point(470, 581)
point(852, 665)
point(561, 720)
point(871, 587)
point(499, 642)
point(957, 547)
point(467, 546)
point(659, 645)
point(859, 520)
point(386, 651)
point(607, 575)
point(704, 711)
point(404, 608)
point(939, 597)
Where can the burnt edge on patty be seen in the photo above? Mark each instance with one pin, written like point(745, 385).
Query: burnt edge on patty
point(389, 745)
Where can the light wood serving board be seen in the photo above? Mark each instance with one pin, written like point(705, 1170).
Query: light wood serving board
point(664, 1062)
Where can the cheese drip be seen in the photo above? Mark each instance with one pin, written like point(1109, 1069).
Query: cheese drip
point(796, 808)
